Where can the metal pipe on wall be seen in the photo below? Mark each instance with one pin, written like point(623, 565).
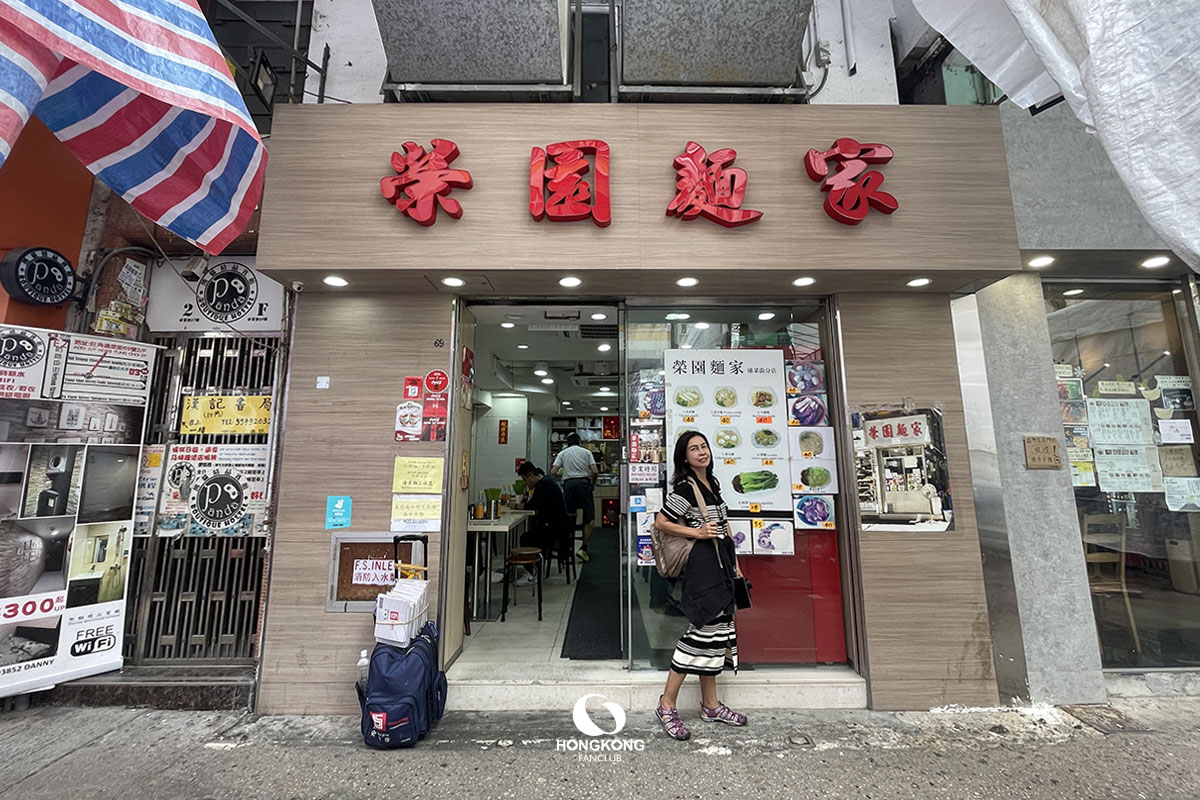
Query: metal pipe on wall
point(848, 34)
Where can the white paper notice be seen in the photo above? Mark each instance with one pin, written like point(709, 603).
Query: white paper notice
point(1128, 469)
point(1176, 431)
point(1083, 473)
point(643, 473)
point(654, 499)
point(1120, 422)
point(1183, 494)
point(736, 398)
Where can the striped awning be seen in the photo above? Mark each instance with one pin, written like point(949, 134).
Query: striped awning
point(140, 93)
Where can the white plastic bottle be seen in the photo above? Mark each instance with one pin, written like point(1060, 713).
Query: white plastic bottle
point(364, 666)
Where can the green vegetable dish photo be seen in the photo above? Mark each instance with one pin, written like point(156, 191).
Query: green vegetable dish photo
point(760, 481)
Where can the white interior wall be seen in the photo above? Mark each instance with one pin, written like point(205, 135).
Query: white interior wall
point(495, 463)
point(539, 441)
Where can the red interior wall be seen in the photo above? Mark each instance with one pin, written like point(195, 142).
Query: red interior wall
point(44, 198)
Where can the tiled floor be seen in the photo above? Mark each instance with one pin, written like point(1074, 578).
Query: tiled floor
point(521, 639)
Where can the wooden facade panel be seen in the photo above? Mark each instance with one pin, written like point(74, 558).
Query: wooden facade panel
point(323, 211)
point(340, 441)
point(925, 610)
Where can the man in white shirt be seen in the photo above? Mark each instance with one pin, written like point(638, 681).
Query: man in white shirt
point(577, 467)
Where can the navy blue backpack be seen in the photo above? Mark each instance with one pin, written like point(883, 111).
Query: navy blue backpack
point(405, 692)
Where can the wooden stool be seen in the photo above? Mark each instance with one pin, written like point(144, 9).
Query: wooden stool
point(532, 557)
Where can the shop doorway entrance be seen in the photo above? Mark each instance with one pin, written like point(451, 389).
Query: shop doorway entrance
point(547, 388)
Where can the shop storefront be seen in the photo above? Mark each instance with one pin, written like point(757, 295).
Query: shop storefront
point(819, 357)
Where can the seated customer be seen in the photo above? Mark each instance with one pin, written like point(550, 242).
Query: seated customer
point(550, 524)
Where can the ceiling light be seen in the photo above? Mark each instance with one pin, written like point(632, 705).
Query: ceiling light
point(604, 348)
point(547, 381)
point(508, 324)
point(1107, 364)
point(1166, 352)
point(522, 347)
point(701, 326)
point(1156, 262)
point(1072, 292)
point(917, 283)
point(685, 347)
point(541, 372)
point(804, 281)
point(676, 316)
point(570, 282)
point(1041, 261)
point(455, 282)
point(606, 388)
point(1176, 291)
point(604, 408)
point(687, 282)
point(566, 402)
point(766, 315)
point(599, 315)
point(334, 280)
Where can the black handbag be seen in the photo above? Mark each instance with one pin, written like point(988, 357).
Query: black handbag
point(741, 592)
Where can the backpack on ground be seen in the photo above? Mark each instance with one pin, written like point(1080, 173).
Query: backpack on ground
point(405, 692)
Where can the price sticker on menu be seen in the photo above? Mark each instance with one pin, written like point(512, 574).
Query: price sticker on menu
point(768, 462)
point(689, 419)
point(807, 454)
point(793, 423)
point(756, 524)
point(828, 525)
point(755, 508)
point(726, 420)
point(644, 414)
point(797, 487)
point(729, 462)
point(763, 420)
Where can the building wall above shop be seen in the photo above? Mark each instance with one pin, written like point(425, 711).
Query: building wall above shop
point(322, 210)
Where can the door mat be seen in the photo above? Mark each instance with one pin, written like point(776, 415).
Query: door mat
point(594, 627)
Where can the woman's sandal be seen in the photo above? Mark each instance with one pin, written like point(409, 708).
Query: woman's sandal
point(722, 713)
point(671, 722)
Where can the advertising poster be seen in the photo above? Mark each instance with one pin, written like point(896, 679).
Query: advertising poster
point(148, 486)
point(436, 406)
point(339, 510)
point(1119, 422)
point(1070, 389)
point(1182, 494)
point(645, 550)
point(72, 414)
point(1083, 473)
point(1078, 436)
point(1176, 392)
point(214, 489)
point(225, 414)
point(736, 399)
point(1131, 468)
point(409, 411)
point(231, 293)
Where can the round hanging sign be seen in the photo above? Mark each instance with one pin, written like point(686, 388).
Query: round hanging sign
point(38, 276)
point(227, 292)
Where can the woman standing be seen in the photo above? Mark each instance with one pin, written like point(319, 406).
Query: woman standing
point(710, 643)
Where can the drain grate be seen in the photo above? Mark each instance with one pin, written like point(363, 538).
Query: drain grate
point(1106, 719)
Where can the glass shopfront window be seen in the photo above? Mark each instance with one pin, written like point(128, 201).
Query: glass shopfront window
point(1124, 375)
point(756, 382)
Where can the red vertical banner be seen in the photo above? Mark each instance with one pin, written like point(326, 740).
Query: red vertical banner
point(503, 432)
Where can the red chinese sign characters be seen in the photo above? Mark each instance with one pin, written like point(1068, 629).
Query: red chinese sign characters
point(422, 178)
point(570, 197)
point(709, 187)
point(851, 189)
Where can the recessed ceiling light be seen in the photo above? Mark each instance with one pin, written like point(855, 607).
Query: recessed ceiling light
point(334, 280)
point(917, 283)
point(508, 324)
point(1156, 262)
point(599, 315)
point(1072, 292)
point(804, 281)
point(455, 282)
point(604, 408)
point(566, 402)
point(604, 348)
point(766, 315)
point(547, 381)
point(570, 282)
point(606, 388)
point(676, 316)
point(687, 282)
point(1107, 364)
point(685, 347)
point(1166, 352)
point(701, 326)
point(1041, 261)
point(541, 373)
point(522, 347)
point(1176, 291)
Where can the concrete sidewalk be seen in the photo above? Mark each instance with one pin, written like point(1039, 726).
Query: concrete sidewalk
point(57, 752)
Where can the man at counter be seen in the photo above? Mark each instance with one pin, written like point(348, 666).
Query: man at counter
point(550, 528)
point(577, 467)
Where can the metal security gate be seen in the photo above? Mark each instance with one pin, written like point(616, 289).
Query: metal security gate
point(191, 598)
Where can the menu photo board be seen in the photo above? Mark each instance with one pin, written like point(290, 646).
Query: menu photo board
point(72, 417)
point(736, 398)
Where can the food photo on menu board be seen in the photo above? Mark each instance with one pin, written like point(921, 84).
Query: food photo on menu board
point(737, 399)
point(814, 467)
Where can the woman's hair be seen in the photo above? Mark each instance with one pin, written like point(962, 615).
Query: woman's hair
point(683, 470)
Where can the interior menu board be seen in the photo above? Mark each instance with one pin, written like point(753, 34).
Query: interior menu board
point(1128, 468)
point(72, 415)
point(1119, 422)
point(736, 398)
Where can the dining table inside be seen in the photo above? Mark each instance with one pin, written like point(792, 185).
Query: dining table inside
point(507, 528)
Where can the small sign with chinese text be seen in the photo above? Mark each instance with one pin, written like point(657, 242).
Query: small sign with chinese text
point(1042, 452)
point(374, 572)
point(417, 475)
point(226, 414)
